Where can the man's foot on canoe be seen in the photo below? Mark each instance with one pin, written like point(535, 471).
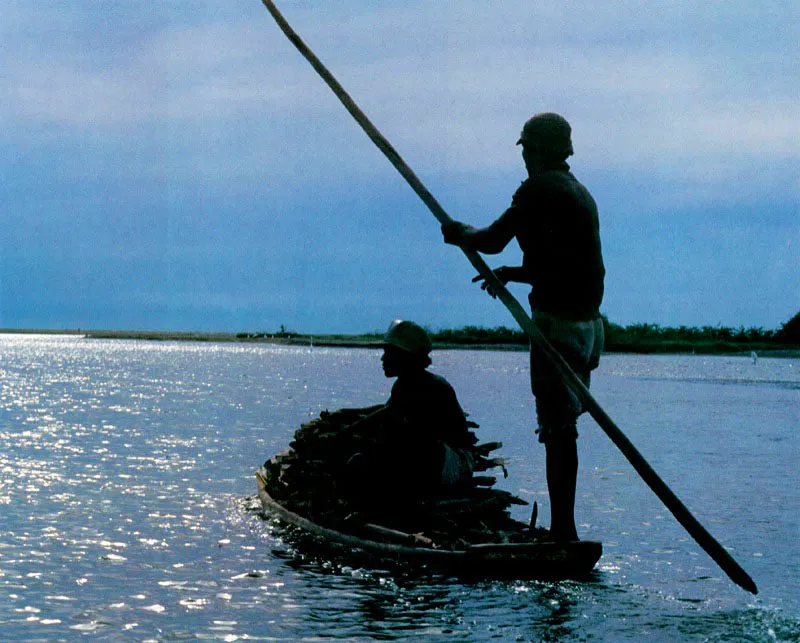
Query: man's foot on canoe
point(560, 537)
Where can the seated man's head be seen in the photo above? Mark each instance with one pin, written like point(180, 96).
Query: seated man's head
point(406, 346)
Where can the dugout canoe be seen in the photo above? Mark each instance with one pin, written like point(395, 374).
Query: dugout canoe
point(520, 560)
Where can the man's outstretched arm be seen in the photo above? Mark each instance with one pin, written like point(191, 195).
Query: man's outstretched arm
point(490, 240)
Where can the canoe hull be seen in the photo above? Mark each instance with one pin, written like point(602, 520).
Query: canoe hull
point(535, 560)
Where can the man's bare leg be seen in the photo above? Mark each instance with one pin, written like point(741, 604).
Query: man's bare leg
point(562, 474)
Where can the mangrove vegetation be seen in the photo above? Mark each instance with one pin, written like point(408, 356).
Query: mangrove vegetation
point(634, 338)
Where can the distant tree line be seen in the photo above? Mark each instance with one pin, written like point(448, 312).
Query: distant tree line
point(479, 335)
point(648, 337)
point(652, 338)
point(789, 333)
point(635, 338)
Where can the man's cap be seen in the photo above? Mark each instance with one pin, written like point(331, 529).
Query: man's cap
point(548, 131)
point(408, 336)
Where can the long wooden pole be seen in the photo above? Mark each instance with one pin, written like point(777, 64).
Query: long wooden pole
point(703, 538)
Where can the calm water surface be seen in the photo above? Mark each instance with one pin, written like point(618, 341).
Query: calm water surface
point(127, 509)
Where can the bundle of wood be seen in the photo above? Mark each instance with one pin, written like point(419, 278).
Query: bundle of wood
point(311, 479)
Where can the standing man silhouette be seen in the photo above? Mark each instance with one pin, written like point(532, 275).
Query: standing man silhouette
point(554, 219)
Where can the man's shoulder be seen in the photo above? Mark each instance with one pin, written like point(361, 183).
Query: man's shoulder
point(424, 387)
point(554, 184)
point(555, 177)
point(422, 379)
point(544, 181)
point(436, 380)
point(435, 385)
point(525, 192)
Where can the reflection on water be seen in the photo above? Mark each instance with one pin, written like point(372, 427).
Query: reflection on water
point(127, 511)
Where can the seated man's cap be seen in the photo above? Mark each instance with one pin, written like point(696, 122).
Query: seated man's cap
point(409, 337)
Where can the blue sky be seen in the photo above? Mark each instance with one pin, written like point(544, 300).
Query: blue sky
point(177, 165)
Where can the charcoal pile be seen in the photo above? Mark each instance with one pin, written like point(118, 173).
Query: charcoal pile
point(310, 479)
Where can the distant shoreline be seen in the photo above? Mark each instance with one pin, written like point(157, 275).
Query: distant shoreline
point(374, 341)
point(337, 341)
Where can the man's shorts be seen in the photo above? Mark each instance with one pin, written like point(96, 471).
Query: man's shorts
point(580, 343)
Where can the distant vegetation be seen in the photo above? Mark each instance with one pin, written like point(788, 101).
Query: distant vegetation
point(636, 338)
point(649, 338)
point(789, 333)
point(652, 338)
point(479, 335)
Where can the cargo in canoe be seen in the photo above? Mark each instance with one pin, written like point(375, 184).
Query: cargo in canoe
point(466, 528)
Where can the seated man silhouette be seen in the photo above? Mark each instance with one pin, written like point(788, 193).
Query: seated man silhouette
point(422, 442)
